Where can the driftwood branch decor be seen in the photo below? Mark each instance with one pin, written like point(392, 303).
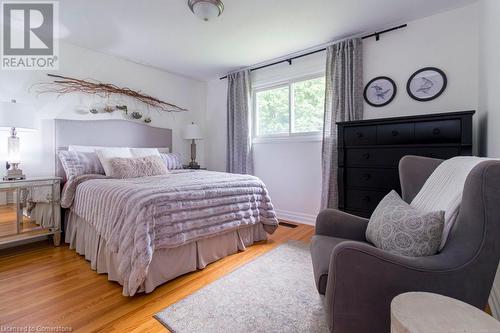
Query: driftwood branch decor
point(65, 85)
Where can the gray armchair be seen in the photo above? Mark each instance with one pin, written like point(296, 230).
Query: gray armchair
point(359, 280)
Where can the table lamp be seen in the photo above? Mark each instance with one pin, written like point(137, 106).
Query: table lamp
point(14, 117)
point(193, 132)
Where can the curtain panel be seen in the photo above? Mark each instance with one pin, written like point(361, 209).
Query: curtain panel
point(343, 102)
point(239, 138)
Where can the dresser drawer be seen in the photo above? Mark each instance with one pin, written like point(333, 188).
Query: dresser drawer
point(372, 178)
point(438, 152)
point(360, 135)
point(363, 200)
point(386, 157)
point(389, 157)
point(392, 134)
point(442, 131)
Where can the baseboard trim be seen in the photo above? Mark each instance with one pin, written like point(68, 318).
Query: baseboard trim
point(296, 217)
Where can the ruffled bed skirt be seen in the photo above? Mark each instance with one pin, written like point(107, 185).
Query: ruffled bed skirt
point(166, 264)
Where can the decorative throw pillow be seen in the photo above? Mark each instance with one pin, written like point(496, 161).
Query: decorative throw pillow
point(138, 167)
point(398, 228)
point(78, 163)
point(172, 160)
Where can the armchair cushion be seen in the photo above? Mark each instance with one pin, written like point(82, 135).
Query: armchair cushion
point(321, 251)
point(398, 228)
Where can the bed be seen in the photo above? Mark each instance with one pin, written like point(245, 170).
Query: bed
point(143, 232)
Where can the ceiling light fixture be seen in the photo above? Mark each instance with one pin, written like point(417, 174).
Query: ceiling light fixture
point(206, 9)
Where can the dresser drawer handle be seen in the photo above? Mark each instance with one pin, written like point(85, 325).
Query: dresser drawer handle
point(367, 176)
point(359, 134)
point(366, 156)
point(367, 198)
point(395, 133)
point(436, 131)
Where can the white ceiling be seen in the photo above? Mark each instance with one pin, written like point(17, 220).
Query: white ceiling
point(165, 34)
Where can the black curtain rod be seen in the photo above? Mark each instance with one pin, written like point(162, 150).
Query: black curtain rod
point(289, 60)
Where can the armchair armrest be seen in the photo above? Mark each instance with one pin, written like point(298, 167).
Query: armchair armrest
point(363, 278)
point(335, 223)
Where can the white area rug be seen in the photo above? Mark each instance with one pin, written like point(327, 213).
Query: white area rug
point(273, 293)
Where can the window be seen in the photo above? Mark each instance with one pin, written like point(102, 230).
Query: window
point(293, 108)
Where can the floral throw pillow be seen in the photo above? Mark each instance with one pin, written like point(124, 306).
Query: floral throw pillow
point(397, 227)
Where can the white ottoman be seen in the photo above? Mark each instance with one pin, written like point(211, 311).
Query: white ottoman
point(418, 312)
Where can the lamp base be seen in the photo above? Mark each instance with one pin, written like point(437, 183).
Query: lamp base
point(193, 165)
point(14, 176)
point(13, 172)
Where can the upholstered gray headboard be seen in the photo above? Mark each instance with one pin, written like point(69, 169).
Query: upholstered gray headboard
point(108, 133)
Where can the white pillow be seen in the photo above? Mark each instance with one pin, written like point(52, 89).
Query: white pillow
point(91, 149)
point(143, 152)
point(107, 154)
point(86, 149)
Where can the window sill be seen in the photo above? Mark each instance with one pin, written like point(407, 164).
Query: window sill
point(288, 139)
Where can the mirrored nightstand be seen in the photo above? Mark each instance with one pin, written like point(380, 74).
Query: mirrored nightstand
point(30, 208)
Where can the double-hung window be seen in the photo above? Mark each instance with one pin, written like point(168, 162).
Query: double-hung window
point(293, 108)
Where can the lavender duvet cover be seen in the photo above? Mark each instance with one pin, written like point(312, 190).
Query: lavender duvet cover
point(136, 216)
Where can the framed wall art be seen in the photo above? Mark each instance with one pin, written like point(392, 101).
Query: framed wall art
point(380, 91)
point(426, 84)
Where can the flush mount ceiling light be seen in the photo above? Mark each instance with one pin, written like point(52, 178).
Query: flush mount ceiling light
point(206, 9)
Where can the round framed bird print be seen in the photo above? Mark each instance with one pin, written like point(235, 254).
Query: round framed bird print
point(426, 84)
point(380, 91)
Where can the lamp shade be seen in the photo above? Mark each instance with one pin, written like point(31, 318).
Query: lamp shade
point(193, 131)
point(20, 116)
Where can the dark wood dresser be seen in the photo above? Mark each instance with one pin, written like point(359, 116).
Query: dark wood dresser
point(370, 150)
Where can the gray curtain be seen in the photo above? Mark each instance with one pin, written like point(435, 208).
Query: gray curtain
point(343, 102)
point(239, 141)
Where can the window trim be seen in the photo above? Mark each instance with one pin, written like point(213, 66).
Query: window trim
point(296, 137)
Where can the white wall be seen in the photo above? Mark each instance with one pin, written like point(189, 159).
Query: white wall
point(216, 125)
point(489, 76)
point(448, 41)
point(489, 104)
point(292, 170)
point(37, 148)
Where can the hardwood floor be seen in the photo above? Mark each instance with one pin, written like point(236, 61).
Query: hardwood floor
point(44, 285)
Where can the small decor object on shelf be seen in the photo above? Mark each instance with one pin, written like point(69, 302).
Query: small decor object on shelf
point(380, 91)
point(147, 120)
point(136, 115)
point(108, 109)
point(14, 117)
point(123, 108)
point(193, 132)
point(426, 84)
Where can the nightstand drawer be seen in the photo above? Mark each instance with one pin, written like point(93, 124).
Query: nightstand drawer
point(30, 208)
